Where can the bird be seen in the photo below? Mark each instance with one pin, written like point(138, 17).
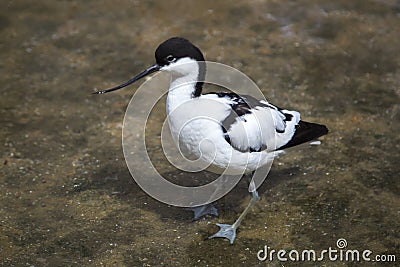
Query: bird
point(239, 126)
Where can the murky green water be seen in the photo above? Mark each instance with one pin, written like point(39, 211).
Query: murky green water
point(67, 198)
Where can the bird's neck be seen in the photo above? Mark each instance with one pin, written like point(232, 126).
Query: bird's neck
point(182, 89)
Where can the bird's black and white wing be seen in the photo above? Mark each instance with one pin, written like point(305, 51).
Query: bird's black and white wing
point(256, 125)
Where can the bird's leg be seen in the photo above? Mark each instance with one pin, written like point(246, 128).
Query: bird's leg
point(229, 230)
point(208, 209)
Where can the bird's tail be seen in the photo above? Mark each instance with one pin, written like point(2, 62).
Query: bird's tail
point(305, 132)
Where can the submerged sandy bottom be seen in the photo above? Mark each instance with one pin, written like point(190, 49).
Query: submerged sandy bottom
point(67, 198)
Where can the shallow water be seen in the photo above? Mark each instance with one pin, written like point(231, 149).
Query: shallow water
point(67, 198)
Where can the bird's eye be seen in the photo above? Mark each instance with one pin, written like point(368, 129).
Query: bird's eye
point(170, 58)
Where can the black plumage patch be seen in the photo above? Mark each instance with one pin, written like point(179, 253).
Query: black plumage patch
point(241, 104)
point(288, 117)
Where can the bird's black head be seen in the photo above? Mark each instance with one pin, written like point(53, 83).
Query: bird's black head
point(176, 48)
